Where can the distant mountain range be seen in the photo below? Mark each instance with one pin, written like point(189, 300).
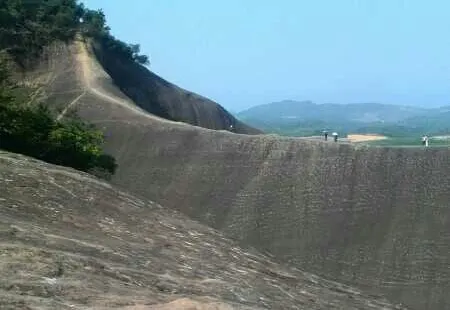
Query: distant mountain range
point(306, 117)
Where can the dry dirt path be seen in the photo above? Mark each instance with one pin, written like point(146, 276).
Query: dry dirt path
point(90, 71)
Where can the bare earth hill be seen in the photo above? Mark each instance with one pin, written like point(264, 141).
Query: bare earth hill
point(160, 97)
point(69, 241)
point(375, 218)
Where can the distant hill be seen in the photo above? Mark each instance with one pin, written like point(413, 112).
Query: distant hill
point(433, 121)
point(307, 110)
point(303, 118)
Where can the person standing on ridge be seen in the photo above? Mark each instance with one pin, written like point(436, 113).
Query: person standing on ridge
point(425, 140)
point(325, 133)
point(335, 136)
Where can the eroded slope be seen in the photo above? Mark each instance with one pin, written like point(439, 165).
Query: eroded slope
point(162, 98)
point(71, 241)
point(377, 218)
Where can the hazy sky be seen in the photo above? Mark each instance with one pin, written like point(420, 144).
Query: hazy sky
point(242, 53)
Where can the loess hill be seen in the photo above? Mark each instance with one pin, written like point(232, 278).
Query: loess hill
point(376, 218)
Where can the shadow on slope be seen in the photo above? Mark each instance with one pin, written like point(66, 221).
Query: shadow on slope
point(159, 97)
point(71, 241)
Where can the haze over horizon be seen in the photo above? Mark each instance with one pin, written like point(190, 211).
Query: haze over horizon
point(245, 54)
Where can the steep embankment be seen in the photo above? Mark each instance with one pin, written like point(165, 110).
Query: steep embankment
point(378, 218)
point(160, 97)
point(148, 92)
point(70, 242)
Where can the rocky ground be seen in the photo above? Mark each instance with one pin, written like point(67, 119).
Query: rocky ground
point(69, 241)
point(373, 218)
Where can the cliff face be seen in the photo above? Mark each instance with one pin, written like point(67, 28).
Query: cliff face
point(377, 218)
point(70, 241)
point(160, 97)
point(141, 88)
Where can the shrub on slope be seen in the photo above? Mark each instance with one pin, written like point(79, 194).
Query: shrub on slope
point(33, 131)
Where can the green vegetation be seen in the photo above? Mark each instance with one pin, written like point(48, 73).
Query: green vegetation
point(33, 131)
point(93, 25)
point(403, 125)
point(398, 135)
point(409, 142)
point(291, 112)
point(26, 27)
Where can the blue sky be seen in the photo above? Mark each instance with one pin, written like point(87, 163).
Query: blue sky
point(242, 53)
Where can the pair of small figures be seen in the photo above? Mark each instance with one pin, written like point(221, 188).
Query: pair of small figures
point(334, 134)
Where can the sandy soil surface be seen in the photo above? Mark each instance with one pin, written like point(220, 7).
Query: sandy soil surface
point(364, 138)
point(89, 70)
point(182, 304)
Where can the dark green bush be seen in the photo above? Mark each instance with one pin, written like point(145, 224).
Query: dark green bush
point(33, 131)
point(26, 27)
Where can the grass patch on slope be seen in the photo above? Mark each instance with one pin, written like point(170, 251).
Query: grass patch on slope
point(409, 142)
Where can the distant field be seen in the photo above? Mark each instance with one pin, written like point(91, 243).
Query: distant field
point(365, 137)
point(410, 142)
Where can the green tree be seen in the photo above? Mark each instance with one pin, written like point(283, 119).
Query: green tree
point(94, 23)
point(5, 84)
point(135, 54)
point(26, 27)
point(33, 131)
